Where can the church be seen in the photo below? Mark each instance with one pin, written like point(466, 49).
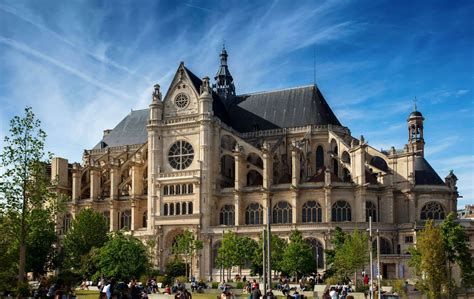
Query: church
point(207, 159)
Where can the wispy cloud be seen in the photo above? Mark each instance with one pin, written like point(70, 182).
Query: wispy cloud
point(79, 74)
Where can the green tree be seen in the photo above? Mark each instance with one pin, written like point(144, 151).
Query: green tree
point(457, 249)
point(187, 246)
point(278, 246)
point(88, 230)
point(337, 242)
point(24, 184)
point(429, 261)
point(123, 257)
point(40, 241)
point(228, 254)
point(246, 246)
point(298, 256)
point(353, 255)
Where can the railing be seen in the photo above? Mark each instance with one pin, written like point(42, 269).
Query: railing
point(178, 174)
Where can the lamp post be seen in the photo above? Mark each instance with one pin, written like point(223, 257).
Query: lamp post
point(264, 269)
point(378, 266)
point(371, 290)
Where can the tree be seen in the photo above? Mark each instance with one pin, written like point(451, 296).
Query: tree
point(337, 241)
point(353, 255)
point(88, 230)
point(40, 241)
point(457, 250)
point(246, 246)
point(278, 246)
point(123, 257)
point(228, 254)
point(429, 261)
point(24, 185)
point(298, 256)
point(187, 245)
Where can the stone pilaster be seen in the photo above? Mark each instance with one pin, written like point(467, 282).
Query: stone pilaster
point(295, 166)
point(95, 182)
point(76, 182)
point(267, 167)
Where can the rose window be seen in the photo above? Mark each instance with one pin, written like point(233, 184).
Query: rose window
point(181, 101)
point(181, 155)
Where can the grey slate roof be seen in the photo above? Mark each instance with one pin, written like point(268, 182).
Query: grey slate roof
point(131, 130)
point(285, 108)
point(425, 174)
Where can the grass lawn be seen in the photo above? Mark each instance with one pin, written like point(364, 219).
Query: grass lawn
point(92, 294)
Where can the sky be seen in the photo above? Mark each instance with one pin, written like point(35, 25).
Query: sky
point(83, 65)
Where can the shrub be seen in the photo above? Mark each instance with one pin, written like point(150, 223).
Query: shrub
point(214, 285)
point(23, 289)
point(239, 285)
point(182, 278)
point(175, 268)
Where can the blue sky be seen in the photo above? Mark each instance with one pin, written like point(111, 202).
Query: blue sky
point(82, 65)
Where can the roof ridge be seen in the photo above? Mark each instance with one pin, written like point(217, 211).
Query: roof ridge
point(277, 90)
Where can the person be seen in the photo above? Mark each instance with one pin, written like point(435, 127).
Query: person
point(333, 294)
point(134, 290)
point(296, 295)
point(285, 288)
point(101, 283)
point(109, 288)
point(269, 295)
point(167, 290)
point(255, 284)
point(366, 279)
point(256, 294)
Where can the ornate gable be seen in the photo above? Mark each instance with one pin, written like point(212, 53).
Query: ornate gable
point(182, 96)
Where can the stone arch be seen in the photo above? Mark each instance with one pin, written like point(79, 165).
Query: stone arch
point(254, 214)
point(346, 158)
point(227, 171)
point(379, 162)
point(227, 215)
point(171, 237)
point(254, 178)
point(255, 160)
point(432, 210)
point(317, 250)
point(228, 142)
point(370, 210)
point(215, 252)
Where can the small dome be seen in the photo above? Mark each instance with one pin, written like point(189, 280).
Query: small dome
point(415, 114)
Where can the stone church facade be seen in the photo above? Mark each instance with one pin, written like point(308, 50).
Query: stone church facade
point(205, 159)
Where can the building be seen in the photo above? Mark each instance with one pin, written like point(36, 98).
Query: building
point(206, 159)
point(467, 212)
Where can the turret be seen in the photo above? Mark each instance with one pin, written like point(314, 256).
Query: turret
point(224, 82)
point(416, 142)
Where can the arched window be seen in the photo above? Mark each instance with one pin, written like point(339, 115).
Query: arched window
point(282, 213)
point(106, 215)
point(67, 223)
point(311, 212)
point(172, 190)
point(254, 214)
point(190, 188)
point(145, 219)
point(341, 211)
point(370, 210)
point(346, 158)
point(178, 189)
point(184, 189)
point(166, 190)
point(171, 209)
point(254, 178)
point(165, 209)
point(125, 220)
point(318, 251)
point(190, 207)
point(227, 171)
point(184, 209)
point(385, 246)
point(334, 148)
point(227, 215)
point(319, 157)
point(432, 210)
point(178, 208)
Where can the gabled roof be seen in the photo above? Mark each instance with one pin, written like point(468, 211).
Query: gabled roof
point(425, 174)
point(131, 130)
point(293, 107)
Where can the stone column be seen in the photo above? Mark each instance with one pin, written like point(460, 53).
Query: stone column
point(114, 181)
point(239, 168)
point(295, 166)
point(358, 214)
point(294, 204)
point(137, 190)
point(136, 219)
point(95, 183)
point(238, 208)
point(267, 167)
point(76, 182)
point(114, 217)
point(328, 204)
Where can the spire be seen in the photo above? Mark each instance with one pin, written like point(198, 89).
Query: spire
point(224, 82)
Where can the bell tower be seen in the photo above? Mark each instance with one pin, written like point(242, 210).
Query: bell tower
point(415, 132)
point(224, 82)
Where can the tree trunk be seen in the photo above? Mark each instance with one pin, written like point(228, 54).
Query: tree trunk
point(22, 261)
